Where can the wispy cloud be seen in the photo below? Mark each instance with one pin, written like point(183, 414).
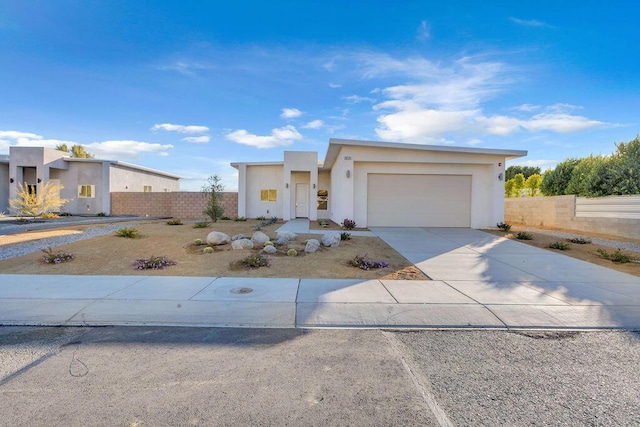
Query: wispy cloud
point(423, 34)
point(184, 67)
point(290, 113)
point(280, 137)
point(357, 99)
point(126, 149)
point(315, 124)
point(528, 22)
point(180, 128)
point(334, 85)
point(526, 108)
point(197, 139)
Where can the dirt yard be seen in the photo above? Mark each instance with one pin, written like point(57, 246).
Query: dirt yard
point(586, 252)
point(112, 255)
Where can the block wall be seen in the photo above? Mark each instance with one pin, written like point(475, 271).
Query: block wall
point(183, 205)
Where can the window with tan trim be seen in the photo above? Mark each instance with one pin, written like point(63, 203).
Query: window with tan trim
point(147, 189)
point(268, 195)
point(86, 191)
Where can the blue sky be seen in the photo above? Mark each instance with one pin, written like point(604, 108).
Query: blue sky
point(188, 87)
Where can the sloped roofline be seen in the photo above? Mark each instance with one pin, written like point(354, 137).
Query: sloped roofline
point(122, 164)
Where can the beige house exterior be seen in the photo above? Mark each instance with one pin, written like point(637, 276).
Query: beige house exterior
point(380, 184)
point(87, 182)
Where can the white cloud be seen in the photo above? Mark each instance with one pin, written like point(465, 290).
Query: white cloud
point(290, 113)
point(334, 85)
point(417, 124)
point(356, 99)
point(526, 108)
point(16, 135)
point(528, 22)
point(423, 34)
point(543, 164)
point(280, 137)
point(499, 125)
point(197, 139)
point(561, 123)
point(125, 149)
point(315, 124)
point(180, 128)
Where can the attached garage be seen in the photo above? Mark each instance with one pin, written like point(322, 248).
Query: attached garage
point(419, 200)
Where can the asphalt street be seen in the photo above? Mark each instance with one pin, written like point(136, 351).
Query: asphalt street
point(135, 376)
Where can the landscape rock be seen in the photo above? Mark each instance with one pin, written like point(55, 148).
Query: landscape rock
point(289, 235)
point(238, 237)
point(311, 246)
point(282, 241)
point(331, 239)
point(259, 238)
point(270, 249)
point(241, 244)
point(216, 238)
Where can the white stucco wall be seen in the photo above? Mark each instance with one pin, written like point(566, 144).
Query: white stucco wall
point(263, 177)
point(300, 167)
point(123, 179)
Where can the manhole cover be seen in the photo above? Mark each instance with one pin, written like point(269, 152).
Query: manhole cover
point(241, 290)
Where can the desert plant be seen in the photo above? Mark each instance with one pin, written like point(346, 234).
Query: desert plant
point(292, 252)
point(580, 240)
point(153, 263)
point(174, 221)
point(34, 200)
point(225, 218)
point(208, 250)
point(128, 232)
point(101, 214)
point(349, 224)
point(212, 191)
point(268, 243)
point(503, 226)
point(523, 235)
point(617, 256)
point(261, 218)
point(197, 242)
point(49, 215)
point(345, 236)
point(201, 224)
point(366, 264)
point(323, 223)
point(560, 246)
point(256, 261)
point(239, 218)
point(51, 257)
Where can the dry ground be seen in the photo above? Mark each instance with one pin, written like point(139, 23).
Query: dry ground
point(112, 255)
point(587, 252)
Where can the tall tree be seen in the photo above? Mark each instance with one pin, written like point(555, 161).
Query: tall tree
point(526, 171)
point(212, 191)
point(555, 181)
point(62, 147)
point(532, 184)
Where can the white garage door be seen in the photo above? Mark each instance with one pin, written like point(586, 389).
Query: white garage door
point(419, 200)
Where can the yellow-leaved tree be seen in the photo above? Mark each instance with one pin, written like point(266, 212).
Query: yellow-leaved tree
point(33, 203)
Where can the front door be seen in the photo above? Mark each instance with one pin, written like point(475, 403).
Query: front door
point(302, 200)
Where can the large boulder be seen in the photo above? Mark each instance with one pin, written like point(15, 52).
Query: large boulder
point(331, 239)
point(216, 238)
point(242, 244)
point(259, 238)
point(282, 241)
point(289, 235)
point(269, 249)
point(311, 246)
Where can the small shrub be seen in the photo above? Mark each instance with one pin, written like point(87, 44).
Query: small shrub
point(51, 257)
point(349, 224)
point(560, 246)
point(268, 243)
point(225, 218)
point(617, 256)
point(523, 235)
point(174, 222)
point(292, 252)
point(101, 214)
point(503, 226)
point(208, 250)
point(153, 263)
point(323, 223)
point(366, 264)
point(345, 236)
point(128, 232)
point(201, 224)
point(256, 261)
point(49, 215)
point(580, 240)
point(261, 218)
point(239, 218)
point(197, 242)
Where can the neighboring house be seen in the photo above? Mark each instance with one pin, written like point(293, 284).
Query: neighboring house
point(87, 182)
point(380, 184)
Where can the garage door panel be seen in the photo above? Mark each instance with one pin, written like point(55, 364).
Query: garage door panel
point(419, 200)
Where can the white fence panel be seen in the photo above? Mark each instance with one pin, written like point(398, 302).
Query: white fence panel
point(608, 207)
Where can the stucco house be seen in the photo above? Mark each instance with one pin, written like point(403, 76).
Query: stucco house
point(87, 182)
point(380, 184)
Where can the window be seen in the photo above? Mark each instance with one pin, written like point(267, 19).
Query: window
point(32, 189)
point(268, 195)
point(147, 189)
point(86, 191)
point(323, 198)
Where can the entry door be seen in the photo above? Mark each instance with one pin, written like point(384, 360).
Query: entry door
point(302, 200)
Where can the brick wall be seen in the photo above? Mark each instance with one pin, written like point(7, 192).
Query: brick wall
point(558, 212)
point(183, 205)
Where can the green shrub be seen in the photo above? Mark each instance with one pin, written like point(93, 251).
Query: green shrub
point(208, 250)
point(580, 240)
point(174, 222)
point(256, 261)
point(523, 235)
point(617, 256)
point(503, 226)
point(345, 236)
point(101, 214)
point(292, 252)
point(55, 258)
point(560, 246)
point(225, 218)
point(197, 242)
point(323, 223)
point(201, 224)
point(268, 243)
point(128, 232)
